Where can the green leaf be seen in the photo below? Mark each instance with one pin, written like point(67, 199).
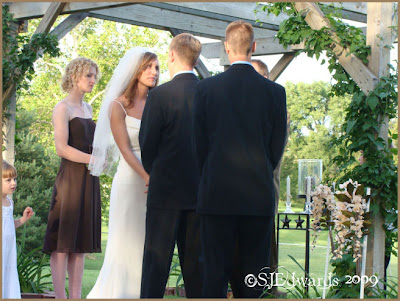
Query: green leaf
point(342, 197)
point(350, 125)
point(348, 214)
point(372, 102)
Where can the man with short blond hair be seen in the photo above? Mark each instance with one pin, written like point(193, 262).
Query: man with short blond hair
point(167, 155)
point(187, 47)
point(239, 136)
point(240, 36)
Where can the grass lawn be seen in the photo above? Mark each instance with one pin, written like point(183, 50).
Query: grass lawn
point(291, 243)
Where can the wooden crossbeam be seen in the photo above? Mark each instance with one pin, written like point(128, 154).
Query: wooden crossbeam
point(360, 73)
point(68, 24)
point(200, 67)
point(160, 18)
point(265, 46)
point(228, 12)
point(31, 10)
point(54, 10)
point(281, 65)
point(238, 10)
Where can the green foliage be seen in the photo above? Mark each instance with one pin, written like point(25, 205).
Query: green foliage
point(33, 272)
point(37, 169)
point(390, 292)
point(365, 114)
point(176, 271)
point(20, 51)
point(315, 117)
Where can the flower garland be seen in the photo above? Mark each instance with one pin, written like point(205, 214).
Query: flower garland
point(347, 215)
point(323, 201)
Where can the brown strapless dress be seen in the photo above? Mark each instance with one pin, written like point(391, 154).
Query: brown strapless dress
point(74, 222)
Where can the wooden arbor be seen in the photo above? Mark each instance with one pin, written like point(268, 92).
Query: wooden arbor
point(210, 20)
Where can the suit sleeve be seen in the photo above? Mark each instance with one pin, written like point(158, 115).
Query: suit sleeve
point(279, 131)
point(150, 132)
point(200, 139)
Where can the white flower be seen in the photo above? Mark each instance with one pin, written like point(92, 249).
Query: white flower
point(341, 206)
point(357, 207)
point(357, 199)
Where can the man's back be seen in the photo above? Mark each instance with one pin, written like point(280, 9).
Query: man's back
point(174, 175)
point(242, 142)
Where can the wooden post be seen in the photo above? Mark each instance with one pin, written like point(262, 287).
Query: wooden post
point(379, 34)
point(9, 130)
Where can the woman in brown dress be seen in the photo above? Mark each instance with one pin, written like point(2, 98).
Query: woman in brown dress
point(74, 222)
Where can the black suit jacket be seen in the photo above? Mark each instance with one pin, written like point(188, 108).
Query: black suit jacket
point(165, 139)
point(239, 138)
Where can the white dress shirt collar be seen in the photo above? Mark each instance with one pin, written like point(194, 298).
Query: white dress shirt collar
point(182, 72)
point(242, 62)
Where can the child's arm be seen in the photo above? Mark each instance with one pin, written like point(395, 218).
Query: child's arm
point(28, 213)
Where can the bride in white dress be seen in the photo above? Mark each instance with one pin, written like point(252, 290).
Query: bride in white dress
point(117, 137)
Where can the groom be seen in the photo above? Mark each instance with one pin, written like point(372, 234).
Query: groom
point(167, 155)
point(239, 134)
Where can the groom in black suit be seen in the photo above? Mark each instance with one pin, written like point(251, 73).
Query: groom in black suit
point(167, 155)
point(239, 137)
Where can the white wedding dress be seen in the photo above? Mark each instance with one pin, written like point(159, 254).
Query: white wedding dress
point(121, 273)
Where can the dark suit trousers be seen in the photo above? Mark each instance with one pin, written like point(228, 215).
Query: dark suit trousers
point(163, 229)
point(221, 237)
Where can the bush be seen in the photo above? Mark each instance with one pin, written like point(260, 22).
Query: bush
point(37, 168)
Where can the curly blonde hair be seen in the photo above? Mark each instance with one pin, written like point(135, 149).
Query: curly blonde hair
point(74, 70)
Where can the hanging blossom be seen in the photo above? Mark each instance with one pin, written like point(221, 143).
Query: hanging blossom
point(322, 198)
point(349, 220)
point(346, 215)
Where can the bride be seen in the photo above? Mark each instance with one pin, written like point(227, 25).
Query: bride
point(120, 114)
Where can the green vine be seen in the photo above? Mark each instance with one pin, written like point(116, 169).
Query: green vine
point(20, 52)
point(365, 114)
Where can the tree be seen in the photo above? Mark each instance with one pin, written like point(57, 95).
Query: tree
point(315, 117)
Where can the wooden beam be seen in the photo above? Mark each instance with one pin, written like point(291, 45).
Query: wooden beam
point(155, 17)
point(200, 67)
point(68, 24)
point(228, 12)
point(31, 10)
point(360, 73)
point(54, 10)
point(281, 65)
point(265, 46)
point(355, 11)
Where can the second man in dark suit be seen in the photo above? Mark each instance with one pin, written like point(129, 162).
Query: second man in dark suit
point(167, 155)
point(239, 133)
